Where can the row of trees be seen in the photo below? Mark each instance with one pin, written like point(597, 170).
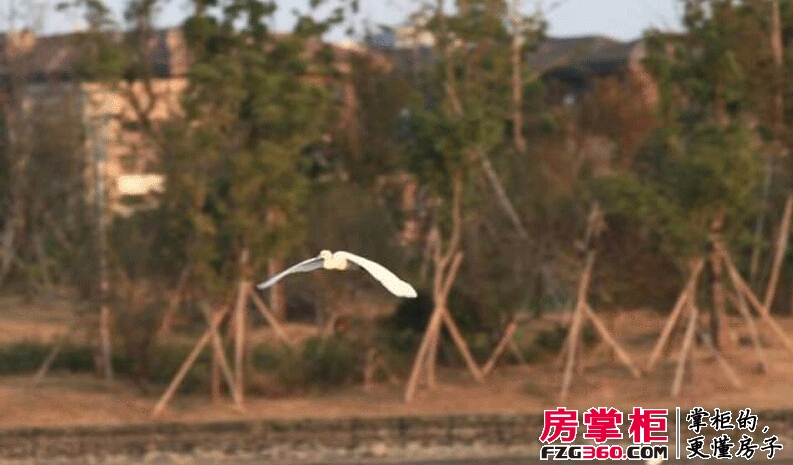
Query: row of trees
point(257, 162)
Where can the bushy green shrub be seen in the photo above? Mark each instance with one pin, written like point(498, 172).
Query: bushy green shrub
point(332, 362)
point(267, 358)
point(317, 364)
point(26, 357)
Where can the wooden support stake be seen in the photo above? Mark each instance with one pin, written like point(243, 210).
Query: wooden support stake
point(741, 285)
point(575, 329)
point(684, 352)
point(421, 356)
point(446, 267)
point(502, 344)
point(239, 337)
point(219, 359)
point(682, 300)
point(571, 352)
point(731, 374)
point(461, 345)
point(279, 330)
point(781, 245)
point(432, 358)
point(188, 363)
point(606, 335)
point(214, 387)
point(740, 304)
point(173, 304)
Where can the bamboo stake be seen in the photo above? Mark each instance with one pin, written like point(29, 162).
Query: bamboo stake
point(502, 344)
point(188, 363)
point(577, 324)
point(214, 387)
point(606, 335)
point(239, 336)
point(744, 288)
point(225, 367)
point(684, 352)
point(781, 245)
point(219, 359)
point(740, 304)
point(279, 330)
point(571, 352)
point(682, 300)
point(173, 304)
point(434, 322)
point(432, 359)
point(446, 267)
point(461, 345)
point(731, 374)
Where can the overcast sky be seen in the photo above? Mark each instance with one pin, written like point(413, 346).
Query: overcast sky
point(620, 19)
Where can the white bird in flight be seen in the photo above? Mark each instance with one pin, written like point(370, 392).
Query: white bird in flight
point(345, 261)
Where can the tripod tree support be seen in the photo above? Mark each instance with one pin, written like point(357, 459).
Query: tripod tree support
point(446, 266)
point(740, 304)
point(211, 335)
point(689, 290)
point(687, 301)
point(744, 289)
point(688, 346)
point(583, 311)
point(234, 378)
point(688, 341)
point(505, 341)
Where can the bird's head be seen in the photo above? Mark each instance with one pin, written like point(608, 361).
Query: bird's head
point(326, 255)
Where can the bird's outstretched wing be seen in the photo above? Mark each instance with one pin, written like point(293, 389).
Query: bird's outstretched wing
point(307, 265)
point(388, 279)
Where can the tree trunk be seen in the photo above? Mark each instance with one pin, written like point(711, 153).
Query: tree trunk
point(517, 91)
point(718, 311)
point(275, 265)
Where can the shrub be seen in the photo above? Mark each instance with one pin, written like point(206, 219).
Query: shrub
point(332, 362)
point(26, 357)
point(266, 358)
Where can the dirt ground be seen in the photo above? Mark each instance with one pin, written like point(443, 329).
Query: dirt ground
point(601, 381)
